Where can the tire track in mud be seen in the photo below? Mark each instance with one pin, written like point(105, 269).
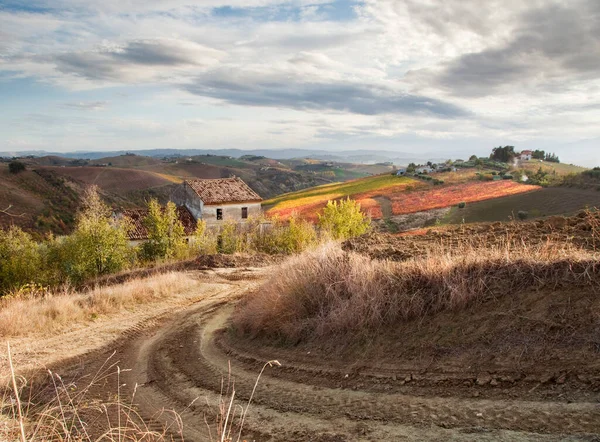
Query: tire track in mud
point(180, 366)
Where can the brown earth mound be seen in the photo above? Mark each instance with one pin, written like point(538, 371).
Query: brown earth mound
point(582, 230)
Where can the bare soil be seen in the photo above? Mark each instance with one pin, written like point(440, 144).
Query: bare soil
point(582, 230)
point(523, 367)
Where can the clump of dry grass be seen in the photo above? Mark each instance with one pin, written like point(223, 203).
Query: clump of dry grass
point(330, 292)
point(51, 312)
point(69, 414)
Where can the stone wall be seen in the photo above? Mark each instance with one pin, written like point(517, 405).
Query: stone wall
point(230, 211)
point(184, 195)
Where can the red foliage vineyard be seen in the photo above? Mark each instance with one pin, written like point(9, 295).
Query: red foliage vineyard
point(439, 197)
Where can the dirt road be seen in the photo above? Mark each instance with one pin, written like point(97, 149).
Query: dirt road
point(182, 361)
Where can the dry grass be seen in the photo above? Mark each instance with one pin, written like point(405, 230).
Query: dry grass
point(42, 312)
point(331, 293)
point(68, 413)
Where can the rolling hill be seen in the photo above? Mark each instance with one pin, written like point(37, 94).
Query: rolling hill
point(387, 195)
point(560, 169)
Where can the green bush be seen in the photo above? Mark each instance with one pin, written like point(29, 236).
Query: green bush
point(21, 260)
point(166, 235)
point(344, 219)
point(231, 239)
point(98, 246)
point(462, 205)
point(522, 214)
point(292, 237)
point(16, 167)
point(204, 241)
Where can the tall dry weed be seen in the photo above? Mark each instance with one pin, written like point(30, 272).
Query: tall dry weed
point(329, 292)
point(52, 312)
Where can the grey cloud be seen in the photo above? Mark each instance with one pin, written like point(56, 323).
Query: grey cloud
point(337, 96)
point(550, 44)
point(115, 63)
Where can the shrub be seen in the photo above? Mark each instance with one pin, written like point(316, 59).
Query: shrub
point(343, 219)
point(20, 260)
point(507, 176)
point(204, 240)
point(522, 214)
point(231, 239)
point(98, 246)
point(462, 205)
point(294, 237)
point(166, 236)
point(16, 167)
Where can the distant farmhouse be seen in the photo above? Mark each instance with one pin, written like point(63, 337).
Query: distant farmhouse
point(526, 155)
point(217, 200)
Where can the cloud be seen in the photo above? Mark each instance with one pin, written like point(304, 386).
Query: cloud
point(86, 105)
point(138, 59)
point(550, 45)
point(253, 89)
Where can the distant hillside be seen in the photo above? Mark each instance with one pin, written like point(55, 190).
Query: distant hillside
point(543, 202)
point(560, 169)
point(41, 200)
point(388, 196)
point(126, 161)
point(47, 193)
point(113, 179)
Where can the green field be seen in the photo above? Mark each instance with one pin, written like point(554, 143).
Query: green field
point(543, 202)
point(347, 188)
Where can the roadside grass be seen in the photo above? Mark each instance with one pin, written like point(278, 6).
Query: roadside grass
point(66, 412)
point(39, 311)
point(332, 294)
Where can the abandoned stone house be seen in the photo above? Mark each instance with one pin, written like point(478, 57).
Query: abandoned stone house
point(217, 200)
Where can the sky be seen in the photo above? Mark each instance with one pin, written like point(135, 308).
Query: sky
point(445, 78)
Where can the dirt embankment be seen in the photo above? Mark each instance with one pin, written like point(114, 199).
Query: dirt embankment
point(582, 230)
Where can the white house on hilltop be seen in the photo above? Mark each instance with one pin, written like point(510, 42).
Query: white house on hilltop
point(526, 155)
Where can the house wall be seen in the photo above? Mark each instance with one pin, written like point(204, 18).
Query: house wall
point(184, 195)
point(230, 211)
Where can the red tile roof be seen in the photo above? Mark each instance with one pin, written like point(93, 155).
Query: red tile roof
point(138, 230)
point(223, 191)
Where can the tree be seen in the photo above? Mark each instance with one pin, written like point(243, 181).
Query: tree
point(344, 219)
point(538, 154)
point(166, 235)
point(553, 158)
point(411, 168)
point(473, 158)
point(98, 246)
point(20, 259)
point(503, 154)
point(16, 167)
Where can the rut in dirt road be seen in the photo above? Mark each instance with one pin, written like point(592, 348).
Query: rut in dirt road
point(180, 364)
